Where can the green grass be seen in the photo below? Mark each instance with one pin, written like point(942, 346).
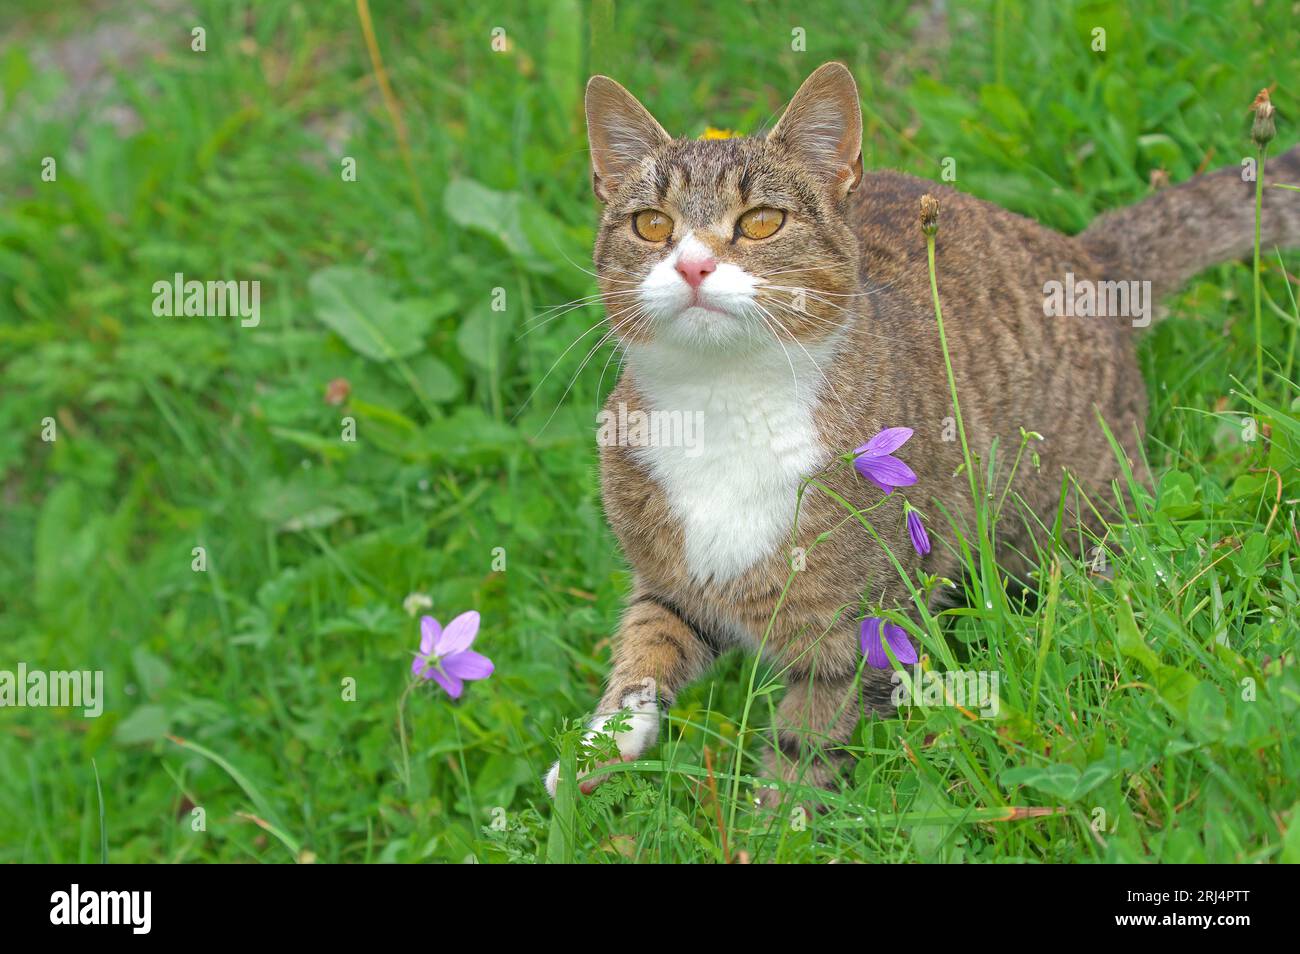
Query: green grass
point(1150, 711)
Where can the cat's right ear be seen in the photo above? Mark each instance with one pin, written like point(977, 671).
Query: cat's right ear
point(621, 133)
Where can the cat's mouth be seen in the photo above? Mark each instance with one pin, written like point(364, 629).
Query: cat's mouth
point(703, 311)
point(698, 311)
point(714, 311)
point(705, 323)
point(700, 302)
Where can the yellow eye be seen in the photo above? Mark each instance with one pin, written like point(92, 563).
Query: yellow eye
point(652, 225)
point(761, 223)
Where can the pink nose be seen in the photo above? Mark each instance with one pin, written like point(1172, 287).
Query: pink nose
point(694, 270)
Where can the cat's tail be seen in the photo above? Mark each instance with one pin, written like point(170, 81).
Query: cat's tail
point(1169, 237)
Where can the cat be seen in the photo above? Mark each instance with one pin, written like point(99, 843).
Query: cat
point(772, 287)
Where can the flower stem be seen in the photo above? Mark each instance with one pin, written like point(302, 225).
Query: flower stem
point(947, 364)
point(1259, 323)
point(401, 736)
point(988, 573)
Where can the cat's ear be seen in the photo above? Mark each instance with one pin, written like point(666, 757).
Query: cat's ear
point(822, 126)
point(621, 133)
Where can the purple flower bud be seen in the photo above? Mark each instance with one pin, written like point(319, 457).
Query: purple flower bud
point(916, 530)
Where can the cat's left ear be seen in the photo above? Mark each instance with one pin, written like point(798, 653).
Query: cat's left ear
point(621, 133)
point(822, 126)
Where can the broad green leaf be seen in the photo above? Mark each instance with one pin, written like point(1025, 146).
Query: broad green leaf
point(152, 671)
point(354, 304)
point(1064, 781)
point(1249, 560)
point(1002, 103)
point(1177, 494)
point(481, 336)
point(145, 724)
point(296, 505)
point(470, 432)
point(1128, 639)
point(1175, 687)
point(564, 246)
point(66, 545)
point(474, 206)
point(1054, 779)
point(437, 381)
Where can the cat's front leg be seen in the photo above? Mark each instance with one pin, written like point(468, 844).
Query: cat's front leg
point(656, 653)
point(814, 720)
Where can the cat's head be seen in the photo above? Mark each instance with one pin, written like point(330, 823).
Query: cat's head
point(719, 244)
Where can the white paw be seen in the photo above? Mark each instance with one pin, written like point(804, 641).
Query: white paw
point(552, 779)
point(641, 732)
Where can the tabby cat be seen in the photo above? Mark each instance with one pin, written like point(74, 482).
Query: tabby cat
point(771, 288)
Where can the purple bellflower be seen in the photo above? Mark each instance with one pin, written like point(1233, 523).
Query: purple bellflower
point(445, 656)
point(874, 460)
point(876, 631)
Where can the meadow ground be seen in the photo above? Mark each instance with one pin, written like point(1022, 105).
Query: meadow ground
point(1150, 700)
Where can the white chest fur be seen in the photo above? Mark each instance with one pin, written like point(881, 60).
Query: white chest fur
point(734, 488)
